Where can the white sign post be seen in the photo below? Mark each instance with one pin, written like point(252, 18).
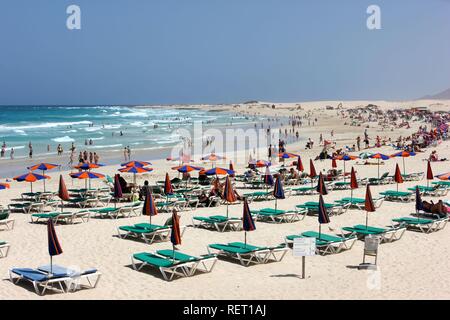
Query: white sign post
point(304, 247)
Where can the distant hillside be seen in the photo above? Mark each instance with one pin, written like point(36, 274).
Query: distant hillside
point(444, 95)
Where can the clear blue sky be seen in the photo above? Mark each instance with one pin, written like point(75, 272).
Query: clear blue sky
point(212, 51)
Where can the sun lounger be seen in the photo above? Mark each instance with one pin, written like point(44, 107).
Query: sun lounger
point(205, 263)
point(57, 217)
point(304, 190)
point(402, 196)
point(415, 176)
point(61, 279)
point(27, 207)
point(280, 216)
point(384, 179)
point(332, 208)
point(4, 249)
point(442, 183)
point(147, 232)
point(168, 267)
point(5, 220)
point(217, 222)
point(88, 278)
point(258, 195)
point(359, 202)
point(386, 234)
point(434, 191)
point(326, 244)
point(247, 254)
point(423, 225)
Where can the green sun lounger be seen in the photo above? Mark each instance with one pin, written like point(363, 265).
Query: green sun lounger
point(420, 224)
point(278, 215)
point(205, 263)
point(304, 190)
point(145, 231)
point(401, 196)
point(435, 191)
point(325, 243)
point(5, 220)
point(217, 222)
point(386, 234)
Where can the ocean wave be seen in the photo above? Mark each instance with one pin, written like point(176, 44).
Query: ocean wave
point(15, 148)
point(69, 131)
point(20, 132)
point(92, 129)
point(63, 139)
point(42, 125)
point(106, 146)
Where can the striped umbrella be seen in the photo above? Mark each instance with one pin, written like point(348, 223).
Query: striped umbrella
point(278, 191)
point(54, 248)
point(248, 224)
point(379, 156)
point(300, 165)
point(287, 155)
point(218, 171)
point(213, 158)
point(63, 194)
point(135, 170)
point(430, 175)
point(43, 167)
point(4, 186)
point(398, 175)
point(175, 235)
point(322, 214)
point(87, 175)
point(368, 204)
point(312, 171)
point(117, 189)
point(444, 176)
point(88, 166)
point(321, 188)
point(228, 193)
point(346, 158)
point(353, 183)
point(403, 155)
point(31, 177)
point(136, 164)
point(261, 163)
point(149, 208)
point(186, 168)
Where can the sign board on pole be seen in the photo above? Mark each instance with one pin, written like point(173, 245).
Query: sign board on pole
point(304, 247)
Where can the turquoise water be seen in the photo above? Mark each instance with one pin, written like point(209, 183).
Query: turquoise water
point(142, 128)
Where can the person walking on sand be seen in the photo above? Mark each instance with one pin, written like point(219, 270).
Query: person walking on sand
point(129, 153)
point(125, 153)
point(91, 157)
point(358, 142)
point(96, 158)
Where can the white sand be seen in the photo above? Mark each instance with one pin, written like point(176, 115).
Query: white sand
point(416, 267)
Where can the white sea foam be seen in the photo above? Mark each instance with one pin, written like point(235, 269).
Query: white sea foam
point(20, 132)
point(42, 125)
point(64, 139)
point(106, 146)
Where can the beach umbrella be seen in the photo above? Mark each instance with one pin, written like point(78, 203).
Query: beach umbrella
point(213, 158)
point(261, 163)
point(248, 224)
point(149, 208)
point(186, 168)
point(268, 178)
point(444, 176)
point(31, 177)
point(398, 175)
point(419, 203)
point(353, 183)
point(312, 171)
point(321, 188)
point(88, 166)
point(63, 194)
point(168, 189)
point(278, 191)
point(43, 167)
point(300, 165)
point(379, 156)
point(218, 171)
point(287, 155)
point(135, 170)
point(117, 189)
point(368, 204)
point(4, 186)
point(54, 248)
point(403, 155)
point(87, 175)
point(231, 167)
point(429, 173)
point(175, 235)
point(365, 155)
point(136, 164)
point(228, 193)
point(333, 163)
point(322, 214)
point(346, 158)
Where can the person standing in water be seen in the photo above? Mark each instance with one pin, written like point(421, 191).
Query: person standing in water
point(12, 154)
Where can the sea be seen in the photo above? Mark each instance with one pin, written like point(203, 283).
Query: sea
point(101, 129)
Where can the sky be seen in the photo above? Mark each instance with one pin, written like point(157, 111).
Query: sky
point(221, 51)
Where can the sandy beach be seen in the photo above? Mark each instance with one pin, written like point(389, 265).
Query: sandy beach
point(415, 267)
